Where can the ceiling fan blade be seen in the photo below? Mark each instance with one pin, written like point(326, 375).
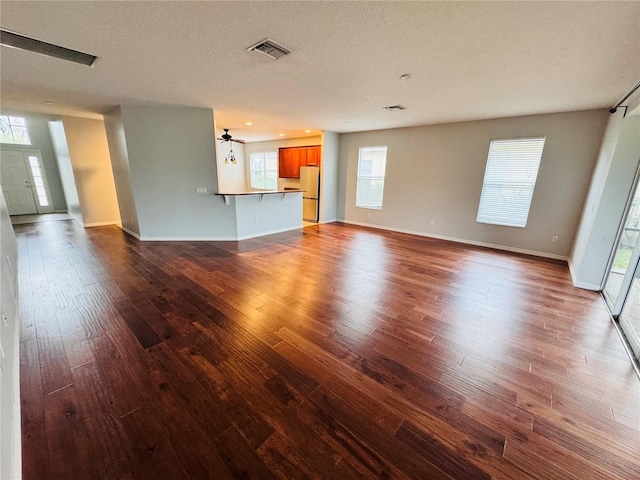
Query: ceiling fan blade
point(238, 140)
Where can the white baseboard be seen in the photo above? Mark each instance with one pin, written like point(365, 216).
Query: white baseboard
point(102, 224)
point(209, 239)
point(270, 232)
point(133, 234)
point(463, 240)
point(579, 284)
point(330, 221)
point(79, 220)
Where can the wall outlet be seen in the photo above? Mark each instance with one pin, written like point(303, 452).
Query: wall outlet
point(369, 214)
point(432, 222)
point(202, 190)
point(257, 220)
point(554, 239)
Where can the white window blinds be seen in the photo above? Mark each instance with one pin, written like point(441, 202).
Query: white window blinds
point(509, 180)
point(372, 163)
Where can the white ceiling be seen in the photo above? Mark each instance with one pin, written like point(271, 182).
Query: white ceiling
point(469, 60)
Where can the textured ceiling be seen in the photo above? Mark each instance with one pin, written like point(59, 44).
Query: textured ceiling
point(469, 60)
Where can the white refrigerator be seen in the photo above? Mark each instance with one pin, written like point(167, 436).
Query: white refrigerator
point(310, 185)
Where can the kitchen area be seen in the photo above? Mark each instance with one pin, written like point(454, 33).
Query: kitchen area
point(275, 168)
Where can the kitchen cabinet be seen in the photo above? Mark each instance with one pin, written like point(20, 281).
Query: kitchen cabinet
point(313, 155)
point(284, 163)
point(298, 159)
point(290, 159)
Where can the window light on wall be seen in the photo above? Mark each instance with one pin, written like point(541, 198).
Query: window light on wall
point(509, 181)
point(372, 164)
point(14, 130)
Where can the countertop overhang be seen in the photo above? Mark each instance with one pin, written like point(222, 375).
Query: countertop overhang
point(261, 193)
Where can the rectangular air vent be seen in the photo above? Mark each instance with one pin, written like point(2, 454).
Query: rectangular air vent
point(394, 108)
point(14, 40)
point(269, 48)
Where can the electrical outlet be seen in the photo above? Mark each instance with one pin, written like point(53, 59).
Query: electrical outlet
point(369, 214)
point(201, 190)
point(554, 239)
point(432, 222)
point(257, 220)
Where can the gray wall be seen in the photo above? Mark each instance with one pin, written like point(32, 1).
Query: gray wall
point(436, 173)
point(41, 140)
point(65, 168)
point(117, 142)
point(329, 177)
point(171, 151)
point(273, 215)
point(610, 188)
point(10, 459)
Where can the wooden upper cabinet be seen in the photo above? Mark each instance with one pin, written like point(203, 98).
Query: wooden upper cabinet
point(298, 159)
point(284, 163)
point(290, 159)
point(313, 155)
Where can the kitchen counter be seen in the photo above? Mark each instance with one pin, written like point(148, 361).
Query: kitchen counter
point(261, 193)
point(264, 212)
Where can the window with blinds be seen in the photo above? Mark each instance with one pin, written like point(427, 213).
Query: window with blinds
point(509, 180)
point(264, 170)
point(372, 164)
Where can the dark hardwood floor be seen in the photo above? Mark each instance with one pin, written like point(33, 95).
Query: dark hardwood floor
point(335, 352)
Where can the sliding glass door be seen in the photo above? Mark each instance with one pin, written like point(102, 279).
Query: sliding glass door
point(622, 288)
point(630, 316)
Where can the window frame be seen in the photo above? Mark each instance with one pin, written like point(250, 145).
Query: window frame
point(264, 170)
point(483, 215)
point(17, 125)
point(371, 177)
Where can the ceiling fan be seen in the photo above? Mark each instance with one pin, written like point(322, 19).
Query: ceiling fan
point(227, 138)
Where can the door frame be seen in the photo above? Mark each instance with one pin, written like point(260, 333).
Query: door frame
point(33, 152)
point(616, 307)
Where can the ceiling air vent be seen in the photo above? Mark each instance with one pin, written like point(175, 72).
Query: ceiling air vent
point(394, 108)
point(269, 48)
point(14, 40)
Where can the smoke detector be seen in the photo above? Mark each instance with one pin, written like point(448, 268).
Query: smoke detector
point(394, 108)
point(269, 48)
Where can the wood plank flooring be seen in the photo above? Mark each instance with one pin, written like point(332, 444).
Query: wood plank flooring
point(334, 352)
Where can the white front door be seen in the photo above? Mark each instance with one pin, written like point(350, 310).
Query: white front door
point(16, 183)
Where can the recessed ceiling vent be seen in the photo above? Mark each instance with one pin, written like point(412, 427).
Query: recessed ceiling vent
point(14, 40)
point(394, 108)
point(269, 48)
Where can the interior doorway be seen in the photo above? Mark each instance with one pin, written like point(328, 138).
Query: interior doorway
point(24, 182)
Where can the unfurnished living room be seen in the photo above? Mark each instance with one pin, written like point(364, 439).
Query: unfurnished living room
point(320, 239)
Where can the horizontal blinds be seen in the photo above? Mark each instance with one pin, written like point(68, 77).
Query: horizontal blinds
point(372, 163)
point(509, 180)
